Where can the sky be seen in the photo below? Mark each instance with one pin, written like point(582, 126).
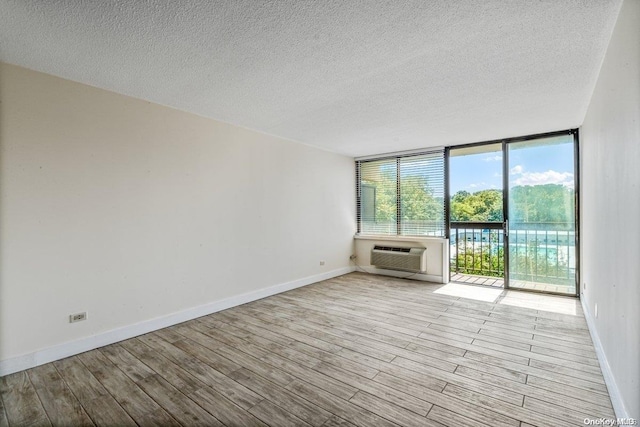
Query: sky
point(530, 163)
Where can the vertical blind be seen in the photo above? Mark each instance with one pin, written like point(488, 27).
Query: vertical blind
point(401, 195)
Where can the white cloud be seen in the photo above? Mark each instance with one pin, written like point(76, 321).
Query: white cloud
point(478, 184)
point(496, 158)
point(481, 185)
point(548, 177)
point(516, 170)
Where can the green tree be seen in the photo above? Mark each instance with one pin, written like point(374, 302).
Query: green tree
point(548, 203)
point(481, 206)
point(417, 201)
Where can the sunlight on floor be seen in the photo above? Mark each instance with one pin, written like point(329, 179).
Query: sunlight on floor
point(523, 299)
point(477, 293)
point(552, 303)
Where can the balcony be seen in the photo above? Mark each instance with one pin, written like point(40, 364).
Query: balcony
point(541, 255)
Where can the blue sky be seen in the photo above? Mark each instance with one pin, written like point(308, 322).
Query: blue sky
point(530, 164)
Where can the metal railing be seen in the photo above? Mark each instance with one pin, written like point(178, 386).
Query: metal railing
point(542, 255)
point(538, 252)
point(477, 248)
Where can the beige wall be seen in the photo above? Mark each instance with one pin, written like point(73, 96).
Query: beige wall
point(133, 211)
point(610, 198)
point(437, 256)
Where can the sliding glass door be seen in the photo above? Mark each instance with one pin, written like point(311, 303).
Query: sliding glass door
point(541, 219)
point(476, 219)
point(512, 213)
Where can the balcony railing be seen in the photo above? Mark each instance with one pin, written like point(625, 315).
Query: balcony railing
point(538, 252)
point(477, 248)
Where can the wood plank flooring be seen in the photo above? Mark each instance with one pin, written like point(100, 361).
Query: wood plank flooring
point(357, 350)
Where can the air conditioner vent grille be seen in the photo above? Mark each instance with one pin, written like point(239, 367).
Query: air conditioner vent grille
point(391, 248)
point(399, 258)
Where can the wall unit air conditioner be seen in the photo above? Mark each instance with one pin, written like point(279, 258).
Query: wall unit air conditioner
point(398, 258)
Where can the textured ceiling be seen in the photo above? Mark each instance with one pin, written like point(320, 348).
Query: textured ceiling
point(354, 77)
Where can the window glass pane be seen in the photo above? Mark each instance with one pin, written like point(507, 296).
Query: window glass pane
point(542, 224)
point(419, 204)
point(475, 183)
point(378, 195)
point(422, 195)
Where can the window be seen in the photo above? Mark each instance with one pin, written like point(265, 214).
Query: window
point(401, 195)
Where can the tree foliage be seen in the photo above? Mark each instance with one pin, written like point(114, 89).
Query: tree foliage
point(481, 206)
point(417, 201)
point(549, 203)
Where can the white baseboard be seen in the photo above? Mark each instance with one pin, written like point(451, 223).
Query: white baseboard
point(612, 387)
point(60, 351)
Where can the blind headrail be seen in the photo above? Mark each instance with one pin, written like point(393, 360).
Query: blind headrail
point(415, 152)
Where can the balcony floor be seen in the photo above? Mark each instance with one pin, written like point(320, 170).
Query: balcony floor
point(471, 279)
point(498, 282)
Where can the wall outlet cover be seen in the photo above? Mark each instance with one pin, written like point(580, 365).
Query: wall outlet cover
point(77, 317)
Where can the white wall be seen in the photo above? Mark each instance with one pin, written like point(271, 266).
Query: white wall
point(133, 211)
point(610, 197)
point(437, 256)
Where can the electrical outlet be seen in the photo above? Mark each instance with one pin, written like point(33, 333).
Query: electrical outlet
point(595, 311)
point(321, 262)
point(352, 257)
point(77, 317)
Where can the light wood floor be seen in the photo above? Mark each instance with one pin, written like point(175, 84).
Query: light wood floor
point(356, 350)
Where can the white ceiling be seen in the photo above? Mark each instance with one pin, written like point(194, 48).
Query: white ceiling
point(355, 77)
